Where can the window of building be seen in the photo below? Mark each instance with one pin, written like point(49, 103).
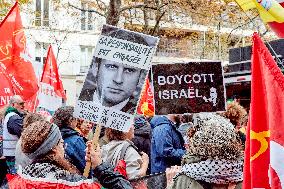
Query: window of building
point(86, 58)
point(42, 13)
point(87, 18)
point(41, 52)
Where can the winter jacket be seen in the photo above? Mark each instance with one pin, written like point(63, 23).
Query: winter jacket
point(12, 129)
point(75, 147)
point(167, 147)
point(103, 174)
point(142, 139)
point(111, 153)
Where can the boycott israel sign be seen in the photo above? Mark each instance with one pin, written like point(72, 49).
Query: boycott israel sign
point(188, 88)
point(116, 76)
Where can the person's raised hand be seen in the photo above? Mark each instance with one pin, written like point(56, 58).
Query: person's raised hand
point(171, 172)
point(93, 156)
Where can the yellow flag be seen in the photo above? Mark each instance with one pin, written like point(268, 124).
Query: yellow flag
point(269, 10)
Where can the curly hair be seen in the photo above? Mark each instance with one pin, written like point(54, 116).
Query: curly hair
point(63, 116)
point(235, 113)
point(31, 118)
point(113, 134)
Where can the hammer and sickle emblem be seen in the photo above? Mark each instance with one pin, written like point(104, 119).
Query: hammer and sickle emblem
point(261, 137)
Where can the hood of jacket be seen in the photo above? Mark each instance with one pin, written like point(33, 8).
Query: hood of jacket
point(159, 120)
point(111, 152)
point(143, 131)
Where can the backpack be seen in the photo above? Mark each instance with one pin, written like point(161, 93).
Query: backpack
point(121, 164)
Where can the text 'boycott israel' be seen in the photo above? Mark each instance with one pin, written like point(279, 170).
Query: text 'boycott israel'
point(188, 88)
point(117, 73)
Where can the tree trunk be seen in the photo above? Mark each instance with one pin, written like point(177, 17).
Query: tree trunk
point(113, 12)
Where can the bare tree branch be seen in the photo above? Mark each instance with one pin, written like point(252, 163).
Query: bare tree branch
point(137, 7)
point(99, 5)
point(88, 10)
point(157, 23)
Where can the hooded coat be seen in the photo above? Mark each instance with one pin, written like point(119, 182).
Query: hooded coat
point(75, 147)
point(167, 147)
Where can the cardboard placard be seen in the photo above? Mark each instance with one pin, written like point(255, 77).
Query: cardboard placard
point(116, 76)
point(188, 88)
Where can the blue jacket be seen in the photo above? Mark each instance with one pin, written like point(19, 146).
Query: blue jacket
point(75, 147)
point(167, 144)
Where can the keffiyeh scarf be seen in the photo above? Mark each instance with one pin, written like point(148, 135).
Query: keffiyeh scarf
point(219, 171)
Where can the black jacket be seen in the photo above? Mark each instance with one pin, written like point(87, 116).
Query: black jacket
point(15, 124)
point(142, 139)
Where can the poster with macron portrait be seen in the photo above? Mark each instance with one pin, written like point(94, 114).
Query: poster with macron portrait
point(117, 73)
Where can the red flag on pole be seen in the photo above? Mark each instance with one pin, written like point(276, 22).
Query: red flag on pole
point(51, 87)
point(146, 103)
point(15, 62)
point(50, 74)
point(264, 154)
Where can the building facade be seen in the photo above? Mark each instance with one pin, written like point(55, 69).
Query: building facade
point(73, 35)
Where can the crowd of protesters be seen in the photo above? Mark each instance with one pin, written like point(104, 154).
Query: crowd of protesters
point(203, 150)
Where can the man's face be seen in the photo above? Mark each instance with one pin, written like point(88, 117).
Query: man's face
point(19, 105)
point(116, 82)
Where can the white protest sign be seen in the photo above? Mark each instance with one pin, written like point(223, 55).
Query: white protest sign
point(112, 88)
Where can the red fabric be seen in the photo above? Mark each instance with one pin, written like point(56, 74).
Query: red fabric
point(17, 182)
point(121, 168)
point(15, 62)
point(278, 28)
point(6, 90)
point(266, 123)
point(146, 103)
point(50, 74)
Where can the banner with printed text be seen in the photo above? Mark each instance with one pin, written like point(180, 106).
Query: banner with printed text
point(112, 88)
point(188, 88)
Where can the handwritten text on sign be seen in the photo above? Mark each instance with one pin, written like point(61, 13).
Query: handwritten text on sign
point(125, 52)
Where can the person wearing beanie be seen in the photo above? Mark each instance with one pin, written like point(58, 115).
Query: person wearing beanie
point(21, 159)
point(214, 159)
point(74, 142)
point(42, 142)
point(142, 136)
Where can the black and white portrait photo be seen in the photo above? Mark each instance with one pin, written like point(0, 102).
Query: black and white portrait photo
point(112, 88)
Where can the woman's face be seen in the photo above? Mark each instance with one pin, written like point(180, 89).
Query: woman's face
point(86, 126)
point(73, 122)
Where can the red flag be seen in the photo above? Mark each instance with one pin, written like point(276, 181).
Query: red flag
point(146, 103)
point(6, 91)
point(278, 28)
point(14, 58)
point(264, 154)
point(50, 74)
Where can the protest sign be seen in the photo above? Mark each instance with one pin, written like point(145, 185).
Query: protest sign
point(112, 88)
point(188, 88)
